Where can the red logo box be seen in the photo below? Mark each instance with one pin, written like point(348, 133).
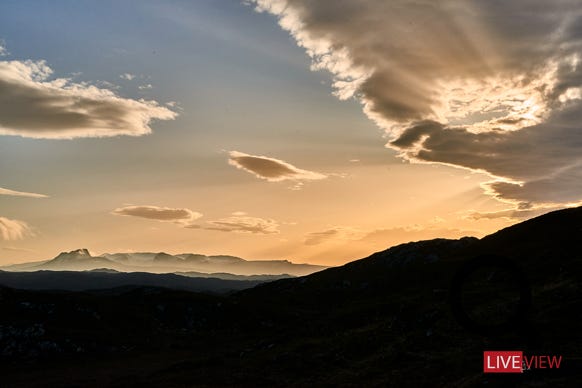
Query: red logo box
point(509, 361)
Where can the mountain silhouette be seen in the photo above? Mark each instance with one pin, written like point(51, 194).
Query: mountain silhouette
point(417, 314)
point(79, 259)
point(162, 262)
point(107, 278)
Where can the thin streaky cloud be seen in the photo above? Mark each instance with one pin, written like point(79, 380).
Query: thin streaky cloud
point(334, 233)
point(243, 224)
point(15, 193)
point(513, 213)
point(17, 249)
point(385, 236)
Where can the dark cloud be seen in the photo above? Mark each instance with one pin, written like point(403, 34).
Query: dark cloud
point(400, 57)
point(165, 214)
point(538, 164)
point(270, 169)
point(493, 86)
point(31, 105)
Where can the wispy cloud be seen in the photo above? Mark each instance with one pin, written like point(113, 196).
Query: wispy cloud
point(244, 224)
point(3, 51)
point(240, 222)
point(33, 105)
point(13, 229)
point(271, 169)
point(165, 214)
point(335, 233)
point(491, 87)
point(127, 76)
point(21, 193)
point(385, 237)
point(390, 236)
point(17, 249)
point(520, 213)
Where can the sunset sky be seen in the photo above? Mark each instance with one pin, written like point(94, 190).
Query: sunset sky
point(313, 131)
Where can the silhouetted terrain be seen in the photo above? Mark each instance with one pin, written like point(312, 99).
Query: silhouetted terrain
point(102, 279)
point(391, 319)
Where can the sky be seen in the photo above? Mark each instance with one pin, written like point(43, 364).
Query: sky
point(311, 131)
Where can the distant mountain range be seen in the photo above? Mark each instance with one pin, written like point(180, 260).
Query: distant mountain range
point(388, 320)
point(161, 262)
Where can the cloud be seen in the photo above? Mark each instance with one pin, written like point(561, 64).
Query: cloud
point(144, 87)
point(535, 165)
point(127, 76)
point(32, 105)
point(315, 238)
point(13, 229)
point(393, 236)
point(519, 213)
point(164, 214)
point(494, 87)
point(3, 51)
point(21, 193)
point(270, 169)
point(16, 249)
point(386, 236)
point(242, 224)
point(238, 222)
point(335, 233)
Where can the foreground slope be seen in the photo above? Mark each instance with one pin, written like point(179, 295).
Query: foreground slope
point(385, 320)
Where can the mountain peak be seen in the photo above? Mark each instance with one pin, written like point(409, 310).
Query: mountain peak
point(164, 257)
point(81, 253)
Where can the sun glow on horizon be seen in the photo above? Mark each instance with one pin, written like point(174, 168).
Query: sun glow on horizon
point(293, 132)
